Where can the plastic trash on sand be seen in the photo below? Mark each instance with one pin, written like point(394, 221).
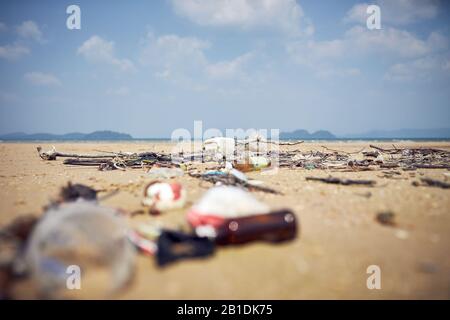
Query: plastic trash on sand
point(144, 237)
point(230, 215)
point(252, 163)
point(238, 174)
point(174, 245)
point(144, 245)
point(73, 192)
point(165, 173)
point(214, 173)
point(80, 236)
point(162, 196)
point(224, 202)
point(220, 147)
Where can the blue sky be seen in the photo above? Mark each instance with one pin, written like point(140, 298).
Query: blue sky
point(149, 67)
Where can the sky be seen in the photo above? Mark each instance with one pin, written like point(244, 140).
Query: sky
point(149, 67)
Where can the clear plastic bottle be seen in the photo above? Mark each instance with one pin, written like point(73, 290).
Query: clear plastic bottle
point(80, 235)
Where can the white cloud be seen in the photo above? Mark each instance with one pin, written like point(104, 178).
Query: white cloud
point(358, 13)
point(422, 69)
point(330, 71)
point(386, 41)
point(393, 45)
point(42, 79)
point(122, 91)
point(183, 62)
point(228, 69)
point(26, 30)
point(399, 72)
point(285, 15)
point(98, 50)
point(358, 41)
point(30, 30)
point(321, 57)
point(13, 52)
point(389, 43)
point(178, 59)
point(163, 74)
point(400, 12)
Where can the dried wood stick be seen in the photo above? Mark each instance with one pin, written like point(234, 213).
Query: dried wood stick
point(432, 183)
point(53, 154)
point(345, 182)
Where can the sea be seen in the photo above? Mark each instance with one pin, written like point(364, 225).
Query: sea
point(161, 140)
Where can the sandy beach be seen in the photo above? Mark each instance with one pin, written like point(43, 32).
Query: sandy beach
point(339, 235)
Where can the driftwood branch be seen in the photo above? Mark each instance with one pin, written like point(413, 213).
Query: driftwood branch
point(410, 150)
point(53, 154)
point(345, 182)
point(336, 160)
point(432, 183)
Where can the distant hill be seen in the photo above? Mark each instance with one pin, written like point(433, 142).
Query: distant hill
point(96, 135)
point(440, 133)
point(305, 135)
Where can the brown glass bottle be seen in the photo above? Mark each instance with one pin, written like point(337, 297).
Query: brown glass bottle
point(276, 226)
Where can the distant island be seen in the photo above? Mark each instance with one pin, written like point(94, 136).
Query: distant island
point(305, 135)
point(440, 133)
point(96, 135)
point(300, 134)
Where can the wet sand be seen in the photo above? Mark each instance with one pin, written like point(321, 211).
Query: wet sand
point(339, 237)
